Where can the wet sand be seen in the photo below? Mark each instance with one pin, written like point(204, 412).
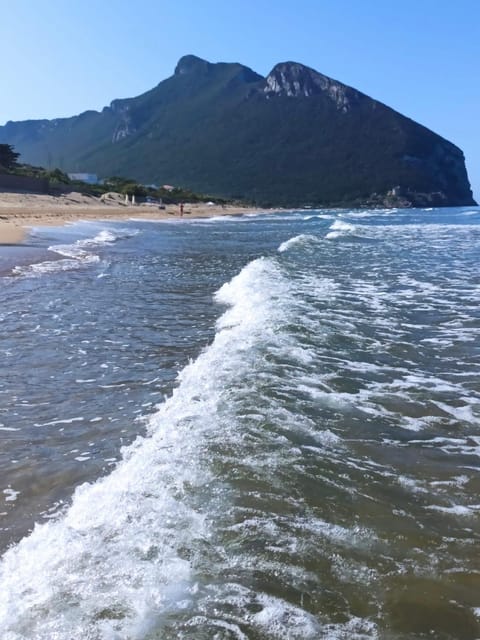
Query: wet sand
point(11, 233)
point(18, 211)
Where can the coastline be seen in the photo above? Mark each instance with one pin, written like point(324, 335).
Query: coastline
point(19, 211)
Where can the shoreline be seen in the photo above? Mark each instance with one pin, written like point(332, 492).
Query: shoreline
point(19, 211)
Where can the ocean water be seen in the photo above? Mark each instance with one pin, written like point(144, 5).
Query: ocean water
point(258, 427)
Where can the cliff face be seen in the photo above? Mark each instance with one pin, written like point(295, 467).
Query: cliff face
point(295, 137)
point(441, 162)
point(295, 80)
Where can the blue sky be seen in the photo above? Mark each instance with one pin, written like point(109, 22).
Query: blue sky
point(421, 57)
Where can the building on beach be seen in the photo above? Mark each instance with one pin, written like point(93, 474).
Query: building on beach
point(89, 178)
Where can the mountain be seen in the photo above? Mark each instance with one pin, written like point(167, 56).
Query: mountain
point(295, 137)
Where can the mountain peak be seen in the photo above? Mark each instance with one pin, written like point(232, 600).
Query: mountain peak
point(294, 137)
point(191, 64)
point(295, 80)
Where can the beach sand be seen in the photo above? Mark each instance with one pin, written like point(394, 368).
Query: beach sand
point(18, 211)
point(11, 233)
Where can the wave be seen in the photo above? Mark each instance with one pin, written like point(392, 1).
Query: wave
point(366, 214)
point(320, 216)
point(103, 238)
point(204, 518)
point(136, 547)
point(300, 240)
point(340, 229)
point(76, 255)
point(54, 266)
point(346, 231)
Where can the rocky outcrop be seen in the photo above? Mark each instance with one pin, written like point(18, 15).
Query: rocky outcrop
point(124, 126)
point(191, 64)
point(296, 80)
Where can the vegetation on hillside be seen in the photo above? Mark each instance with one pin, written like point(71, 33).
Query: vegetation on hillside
point(60, 182)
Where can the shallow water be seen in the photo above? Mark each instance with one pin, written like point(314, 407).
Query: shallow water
point(264, 427)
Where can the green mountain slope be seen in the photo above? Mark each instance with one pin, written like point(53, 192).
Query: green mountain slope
point(295, 137)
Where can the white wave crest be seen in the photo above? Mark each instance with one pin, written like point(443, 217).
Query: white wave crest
point(54, 266)
point(340, 228)
point(320, 216)
point(75, 254)
point(301, 240)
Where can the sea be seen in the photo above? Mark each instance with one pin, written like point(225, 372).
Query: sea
point(261, 427)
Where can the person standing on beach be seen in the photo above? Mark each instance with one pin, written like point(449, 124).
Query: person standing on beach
point(181, 209)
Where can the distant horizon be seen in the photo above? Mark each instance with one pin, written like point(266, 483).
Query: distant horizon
point(404, 57)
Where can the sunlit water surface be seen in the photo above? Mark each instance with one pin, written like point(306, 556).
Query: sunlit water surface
point(262, 427)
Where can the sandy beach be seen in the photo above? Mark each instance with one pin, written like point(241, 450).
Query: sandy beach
point(11, 233)
point(19, 211)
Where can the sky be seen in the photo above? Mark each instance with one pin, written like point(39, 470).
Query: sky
point(420, 57)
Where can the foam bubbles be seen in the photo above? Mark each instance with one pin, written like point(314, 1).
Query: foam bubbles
point(10, 494)
point(284, 621)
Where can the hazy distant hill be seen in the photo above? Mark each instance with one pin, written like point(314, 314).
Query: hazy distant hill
point(295, 137)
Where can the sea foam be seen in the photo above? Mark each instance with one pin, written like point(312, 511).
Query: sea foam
point(116, 563)
point(339, 228)
point(76, 255)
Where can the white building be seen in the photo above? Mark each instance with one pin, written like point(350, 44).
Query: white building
point(89, 178)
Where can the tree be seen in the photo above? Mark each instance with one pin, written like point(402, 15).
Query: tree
point(58, 176)
point(8, 157)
